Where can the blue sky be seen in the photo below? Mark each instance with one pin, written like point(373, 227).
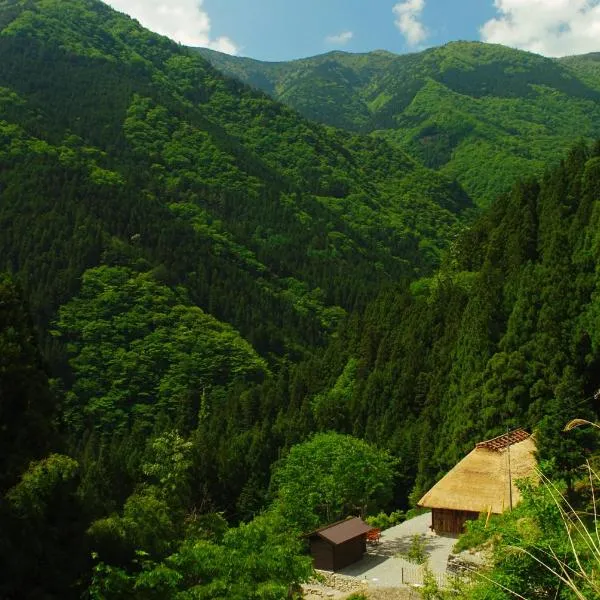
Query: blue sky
point(287, 29)
point(282, 30)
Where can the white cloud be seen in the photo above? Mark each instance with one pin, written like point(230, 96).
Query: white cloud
point(184, 21)
point(549, 27)
point(341, 39)
point(408, 21)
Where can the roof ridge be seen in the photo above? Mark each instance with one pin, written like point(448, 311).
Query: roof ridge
point(505, 440)
point(325, 527)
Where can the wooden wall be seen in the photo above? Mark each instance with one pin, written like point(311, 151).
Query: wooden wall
point(328, 557)
point(445, 521)
point(349, 552)
point(322, 554)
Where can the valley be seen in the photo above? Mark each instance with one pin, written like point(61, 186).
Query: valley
point(240, 300)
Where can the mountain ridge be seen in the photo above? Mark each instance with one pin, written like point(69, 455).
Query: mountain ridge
point(146, 116)
point(459, 108)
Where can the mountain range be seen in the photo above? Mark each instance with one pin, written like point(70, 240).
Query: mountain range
point(209, 265)
point(480, 113)
point(145, 140)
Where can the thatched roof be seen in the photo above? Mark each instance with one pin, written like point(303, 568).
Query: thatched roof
point(480, 480)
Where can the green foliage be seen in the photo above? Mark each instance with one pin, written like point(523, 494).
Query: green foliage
point(33, 495)
point(330, 477)
point(385, 521)
point(42, 530)
point(482, 113)
point(499, 338)
point(26, 405)
point(139, 348)
point(415, 512)
point(331, 408)
point(258, 560)
point(417, 552)
point(193, 174)
point(169, 461)
point(156, 550)
point(432, 591)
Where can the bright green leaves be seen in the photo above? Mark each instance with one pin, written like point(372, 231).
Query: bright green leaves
point(330, 477)
point(166, 551)
point(152, 517)
point(332, 409)
point(170, 461)
point(181, 154)
point(138, 349)
point(258, 561)
point(41, 484)
point(542, 549)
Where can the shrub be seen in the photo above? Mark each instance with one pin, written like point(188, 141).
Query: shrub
point(384, 521)
point(417, 553)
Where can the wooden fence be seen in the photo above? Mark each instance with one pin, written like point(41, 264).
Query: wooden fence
point(415, 575)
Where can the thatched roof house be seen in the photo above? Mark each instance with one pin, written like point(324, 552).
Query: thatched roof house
point(483, 481)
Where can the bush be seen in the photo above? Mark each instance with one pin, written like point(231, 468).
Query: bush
point(476, 534)
point(417, 552)
point(384, 521)
point(415, 512)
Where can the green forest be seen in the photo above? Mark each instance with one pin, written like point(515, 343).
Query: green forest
point(483, 114)
point(226, 322)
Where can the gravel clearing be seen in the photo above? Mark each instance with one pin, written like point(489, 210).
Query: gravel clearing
point(381, 567)
point(382, 573)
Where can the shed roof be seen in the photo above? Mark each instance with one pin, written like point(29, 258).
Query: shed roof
point(343, 531)
point(479, 482)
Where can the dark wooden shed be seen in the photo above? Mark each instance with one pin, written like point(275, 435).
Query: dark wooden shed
point(339, 545)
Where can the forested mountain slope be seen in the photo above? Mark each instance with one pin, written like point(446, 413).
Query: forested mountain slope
point(180, 241)
point(208, 298)
point(505, 335)
point(479, 112)
point(123, 147)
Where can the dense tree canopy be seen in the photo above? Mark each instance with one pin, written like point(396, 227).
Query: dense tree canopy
point(139, 348)
point(329, 477)
point(482, 113)
point(225, 324)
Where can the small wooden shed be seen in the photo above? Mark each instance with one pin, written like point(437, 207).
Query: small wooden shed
point(339, 545)
point(482, 482)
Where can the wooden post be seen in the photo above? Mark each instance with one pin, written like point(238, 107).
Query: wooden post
point(510, 494)
point(488, 516)
point(402, 575)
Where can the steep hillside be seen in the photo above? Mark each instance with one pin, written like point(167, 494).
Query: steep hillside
point(123, 147)
point(180, 240)
point(505, 335)
point(214, 280)
point(484, 114)
point(586, 67)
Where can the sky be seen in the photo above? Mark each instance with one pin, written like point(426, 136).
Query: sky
point(286, 29)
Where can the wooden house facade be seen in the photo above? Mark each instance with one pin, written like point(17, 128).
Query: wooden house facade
point(483, 482)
